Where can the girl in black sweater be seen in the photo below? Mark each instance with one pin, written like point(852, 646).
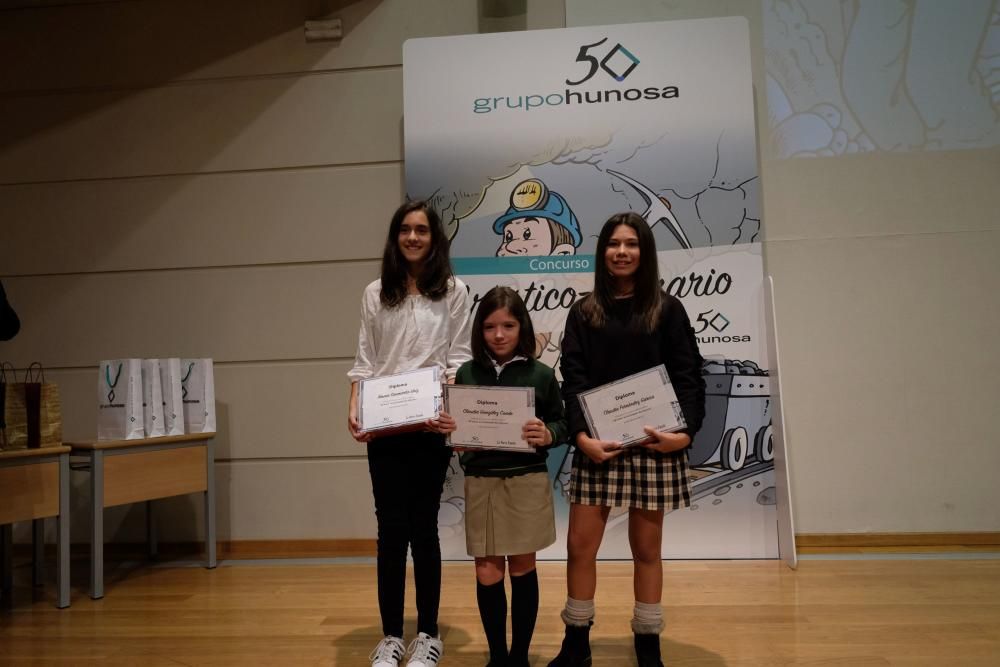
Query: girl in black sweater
point(626, 325)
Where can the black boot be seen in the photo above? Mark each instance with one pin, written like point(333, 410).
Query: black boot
point(575, 651)
point(647, 650)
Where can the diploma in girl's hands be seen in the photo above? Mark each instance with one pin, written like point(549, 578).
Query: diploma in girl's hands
point(618, 411)
point(490, 417)
point(401, 402)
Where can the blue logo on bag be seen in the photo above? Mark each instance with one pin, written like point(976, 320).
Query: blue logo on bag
point(184, 389)
point(112, 385)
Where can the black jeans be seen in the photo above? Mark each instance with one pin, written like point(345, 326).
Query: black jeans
point(408, 473)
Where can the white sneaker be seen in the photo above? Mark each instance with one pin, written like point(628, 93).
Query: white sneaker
point(388, 653)
point(425, 651)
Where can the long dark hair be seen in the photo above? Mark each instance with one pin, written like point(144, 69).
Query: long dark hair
point(648, 298)
point(497, 298)
point(435, 277)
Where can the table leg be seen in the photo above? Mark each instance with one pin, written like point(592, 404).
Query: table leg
point(37, 552)
point(152, 546)
point(62, 539)
point(6, 559)
point(97, 524)
point(210, 555)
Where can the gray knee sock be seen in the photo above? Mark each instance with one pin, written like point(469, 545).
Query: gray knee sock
point(578, 612)
point(647, 618)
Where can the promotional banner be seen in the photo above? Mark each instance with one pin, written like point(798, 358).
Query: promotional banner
point(527, 142)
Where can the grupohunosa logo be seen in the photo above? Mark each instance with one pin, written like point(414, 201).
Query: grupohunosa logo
point(617, 61)
point(617, 52)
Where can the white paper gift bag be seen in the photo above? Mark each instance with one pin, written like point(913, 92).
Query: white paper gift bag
point(152, 399)
point(119, 400)
point(198, 395)
point(173, 409)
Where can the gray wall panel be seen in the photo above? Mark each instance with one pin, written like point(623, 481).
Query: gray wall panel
point(255, 500)
point(244, 124)
point(222, 38)
point(877, 194)
point(279, 312)
point(299, 215)
point(873, 358)
point(296, 500)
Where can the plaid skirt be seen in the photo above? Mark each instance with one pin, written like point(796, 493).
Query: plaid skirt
point(638, 478)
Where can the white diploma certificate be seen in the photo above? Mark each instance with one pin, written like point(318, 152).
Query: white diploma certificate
point(619, 410)
point(489, 417)
point(398, 401)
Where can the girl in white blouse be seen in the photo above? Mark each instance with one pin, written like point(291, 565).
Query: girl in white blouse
point(416, 315)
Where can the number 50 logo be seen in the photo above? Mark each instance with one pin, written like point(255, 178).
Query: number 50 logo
point(594, 63)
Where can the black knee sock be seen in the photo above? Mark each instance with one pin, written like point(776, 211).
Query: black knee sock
point(523, 612)
point(493, 610)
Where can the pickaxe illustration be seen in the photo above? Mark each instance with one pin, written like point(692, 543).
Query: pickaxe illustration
point(657, 210)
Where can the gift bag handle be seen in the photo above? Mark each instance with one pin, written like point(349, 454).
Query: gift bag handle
point(3, 373)
point(34, 373)
point(3, 399)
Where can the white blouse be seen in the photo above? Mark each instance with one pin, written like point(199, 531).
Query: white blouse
point(417, 333)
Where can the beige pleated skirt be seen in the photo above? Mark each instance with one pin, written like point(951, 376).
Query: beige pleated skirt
point(507, 516)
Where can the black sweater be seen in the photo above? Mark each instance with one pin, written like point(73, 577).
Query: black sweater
point(592, 357)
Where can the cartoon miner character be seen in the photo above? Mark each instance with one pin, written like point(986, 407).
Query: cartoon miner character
point(538, 222)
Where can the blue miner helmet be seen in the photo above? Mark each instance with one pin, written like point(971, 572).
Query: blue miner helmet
point(531, 199)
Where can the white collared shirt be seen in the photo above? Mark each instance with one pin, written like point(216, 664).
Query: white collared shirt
point(498, 368)
point(418, 333)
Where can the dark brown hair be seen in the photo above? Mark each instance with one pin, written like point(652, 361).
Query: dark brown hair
point(648, 298)
point(497, 298)
point(436, 274)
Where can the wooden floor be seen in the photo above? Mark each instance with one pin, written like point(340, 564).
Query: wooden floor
point(739, 613)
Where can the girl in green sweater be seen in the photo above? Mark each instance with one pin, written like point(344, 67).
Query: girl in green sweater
point(508, 498)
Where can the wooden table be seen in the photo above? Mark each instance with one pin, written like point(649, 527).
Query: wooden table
point(130, 471)
point(34, 484)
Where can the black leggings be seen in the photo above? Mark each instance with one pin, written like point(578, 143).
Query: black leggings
point(408, 473)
